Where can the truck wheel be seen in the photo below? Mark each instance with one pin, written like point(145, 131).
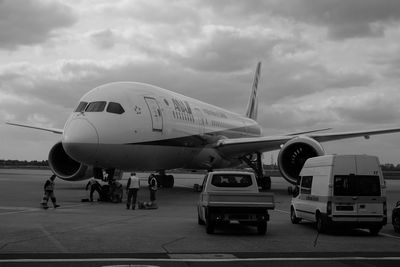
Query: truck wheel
point(199, 220)
point(321, 225)
point(396, 224)
point(210, 226)
point(262, 228)
point(374, 230)
point(293, 217)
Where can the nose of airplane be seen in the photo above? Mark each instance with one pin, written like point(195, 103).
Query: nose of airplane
point(80, 140)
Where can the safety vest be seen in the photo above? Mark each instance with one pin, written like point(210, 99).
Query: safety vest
point(134, 182)
point(153, 183)
point(49, 186)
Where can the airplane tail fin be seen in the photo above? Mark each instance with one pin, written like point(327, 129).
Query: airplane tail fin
point(252, 106)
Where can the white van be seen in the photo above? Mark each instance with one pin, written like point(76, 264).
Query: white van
point(345, 190)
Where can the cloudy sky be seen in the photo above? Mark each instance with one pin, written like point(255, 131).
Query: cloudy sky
point(326, 63)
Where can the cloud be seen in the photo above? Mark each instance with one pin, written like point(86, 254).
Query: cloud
point(31, 22)
point(342, 18)
point(104, 39)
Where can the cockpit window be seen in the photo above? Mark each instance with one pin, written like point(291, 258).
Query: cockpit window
point(81, 107)
point(115, 108)
point(97, 106)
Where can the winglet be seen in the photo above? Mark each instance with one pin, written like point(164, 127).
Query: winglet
point(252, 106)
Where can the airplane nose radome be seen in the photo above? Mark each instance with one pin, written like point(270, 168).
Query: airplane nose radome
point(80, 140)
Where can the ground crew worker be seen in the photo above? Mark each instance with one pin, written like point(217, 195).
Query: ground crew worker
point(94, 186)
point(49, 193)
point(132, 188)
point(152, 187)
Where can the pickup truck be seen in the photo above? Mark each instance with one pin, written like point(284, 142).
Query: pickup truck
point(228, 196)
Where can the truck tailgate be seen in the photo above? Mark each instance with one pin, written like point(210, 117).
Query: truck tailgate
point(235, 199)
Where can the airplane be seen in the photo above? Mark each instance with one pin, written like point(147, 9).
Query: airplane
point(132, 126)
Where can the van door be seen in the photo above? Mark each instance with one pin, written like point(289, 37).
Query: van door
point(305, 206)
point(369, 202)
point(155, 112)
point(344, 201)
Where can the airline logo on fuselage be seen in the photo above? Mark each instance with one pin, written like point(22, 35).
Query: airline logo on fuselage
point(181, 106)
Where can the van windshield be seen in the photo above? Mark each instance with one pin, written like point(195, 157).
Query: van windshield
point(356, 185)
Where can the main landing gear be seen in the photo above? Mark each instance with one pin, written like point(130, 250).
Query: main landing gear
point(164, 180)
point(254, 162)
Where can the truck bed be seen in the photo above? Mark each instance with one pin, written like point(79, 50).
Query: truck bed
point(237, 199)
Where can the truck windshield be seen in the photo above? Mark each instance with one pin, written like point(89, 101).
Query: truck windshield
point(356, 185)
point(231, 180)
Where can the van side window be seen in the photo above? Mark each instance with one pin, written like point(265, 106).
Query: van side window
point(306, 182)
point(356, 185)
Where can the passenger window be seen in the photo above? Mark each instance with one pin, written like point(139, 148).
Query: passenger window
point(115, 108)
point(306, 182)
point(97, 106)
point(81, 107)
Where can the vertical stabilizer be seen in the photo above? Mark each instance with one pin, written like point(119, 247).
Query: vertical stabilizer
point(252, 106)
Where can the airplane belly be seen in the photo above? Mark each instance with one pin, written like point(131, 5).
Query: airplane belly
point(139, 157)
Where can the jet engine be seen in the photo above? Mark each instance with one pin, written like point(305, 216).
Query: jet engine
point(294, 154)
point(65, 167)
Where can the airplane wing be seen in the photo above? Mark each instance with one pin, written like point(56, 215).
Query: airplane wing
point(242, 146)
point(53, 130)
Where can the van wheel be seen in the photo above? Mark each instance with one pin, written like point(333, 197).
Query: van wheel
point(321, 225)
point(374, 230)
point(293, 217)
point(262, 228)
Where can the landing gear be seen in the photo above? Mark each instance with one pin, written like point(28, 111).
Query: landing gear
point(256, 164)
point(166, 181)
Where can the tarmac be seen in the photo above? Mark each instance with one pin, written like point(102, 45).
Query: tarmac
point(104, 234)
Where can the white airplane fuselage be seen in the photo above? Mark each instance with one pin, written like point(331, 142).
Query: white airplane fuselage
point(158, 130)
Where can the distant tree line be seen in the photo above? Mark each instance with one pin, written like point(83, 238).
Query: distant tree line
point(8, 163)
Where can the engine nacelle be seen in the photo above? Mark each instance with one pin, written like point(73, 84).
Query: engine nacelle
point(294, 154)
point(65, 167)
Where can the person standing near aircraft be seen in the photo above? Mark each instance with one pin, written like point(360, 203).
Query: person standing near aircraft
point(132, 187)
point(94, 186)
point(153, 187)
point(49, 193)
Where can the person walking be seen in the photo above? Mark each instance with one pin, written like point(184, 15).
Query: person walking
point(49, 193)
point(132, 187)
point(153, 185)
point(94, 186)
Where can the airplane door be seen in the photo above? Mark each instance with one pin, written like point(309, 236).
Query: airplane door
point(155, 112)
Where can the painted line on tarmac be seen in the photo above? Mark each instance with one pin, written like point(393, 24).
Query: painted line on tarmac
point(281, 211)
point(199, 259)
point(54, 240)
point(382, 234)
point(16, 210)
point(390, 236)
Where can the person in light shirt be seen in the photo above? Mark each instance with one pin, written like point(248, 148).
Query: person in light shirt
point(132, 188)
